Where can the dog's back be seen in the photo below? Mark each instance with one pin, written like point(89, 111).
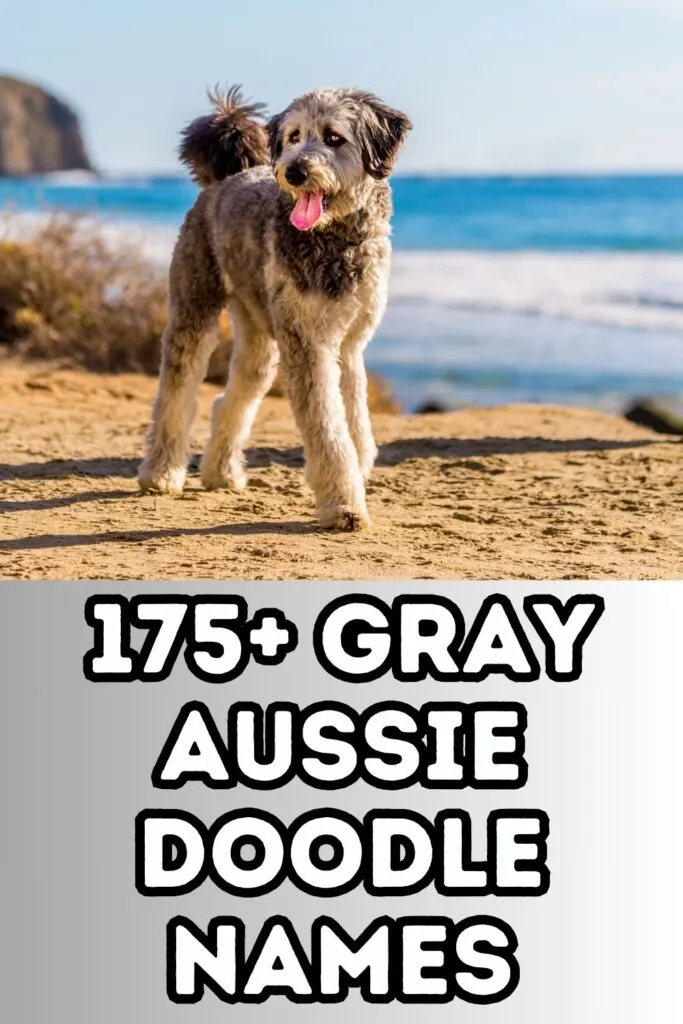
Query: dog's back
point(228, 155)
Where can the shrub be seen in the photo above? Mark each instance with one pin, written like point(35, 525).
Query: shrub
point(69, 295)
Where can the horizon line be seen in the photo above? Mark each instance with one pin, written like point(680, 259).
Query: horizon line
point(617, 172)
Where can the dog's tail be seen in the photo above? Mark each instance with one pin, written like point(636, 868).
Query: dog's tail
point(227, 141)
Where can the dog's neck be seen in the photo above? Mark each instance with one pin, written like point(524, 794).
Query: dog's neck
point(332, 260)
point(363, 215)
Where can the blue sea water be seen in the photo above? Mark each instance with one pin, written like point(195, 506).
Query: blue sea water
point(554, 289)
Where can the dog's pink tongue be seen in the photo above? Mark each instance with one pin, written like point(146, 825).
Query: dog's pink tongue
point(307, 212)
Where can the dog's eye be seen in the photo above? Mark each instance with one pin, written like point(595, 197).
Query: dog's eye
point(333, 139)
point(294, 137)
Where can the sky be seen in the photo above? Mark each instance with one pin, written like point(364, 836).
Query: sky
point(500, 86)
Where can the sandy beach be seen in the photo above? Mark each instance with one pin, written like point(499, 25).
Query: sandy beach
point(526, 491)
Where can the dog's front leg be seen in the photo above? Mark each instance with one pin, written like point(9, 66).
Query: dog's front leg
point(354, 385)
point(332, 469)
point(354, 379)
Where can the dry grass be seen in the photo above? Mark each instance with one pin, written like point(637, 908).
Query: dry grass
point(68, 295)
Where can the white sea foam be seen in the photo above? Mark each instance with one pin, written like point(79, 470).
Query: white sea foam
point(155, 242)
point(633, 290)
point(71, 179)
point(627, 290)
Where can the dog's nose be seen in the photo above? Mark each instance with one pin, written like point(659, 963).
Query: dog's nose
point(296, 174)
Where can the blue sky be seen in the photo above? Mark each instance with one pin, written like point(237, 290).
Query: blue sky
point(492, 85)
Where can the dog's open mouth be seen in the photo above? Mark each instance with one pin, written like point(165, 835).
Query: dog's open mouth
point(307, 211)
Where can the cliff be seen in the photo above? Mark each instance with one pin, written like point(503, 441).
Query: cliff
point(38, 132)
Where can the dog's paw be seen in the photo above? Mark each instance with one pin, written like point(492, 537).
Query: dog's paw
point(168, 481)
point(222, 478)
point(345, 518)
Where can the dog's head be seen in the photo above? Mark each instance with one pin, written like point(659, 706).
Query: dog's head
point(328, 146)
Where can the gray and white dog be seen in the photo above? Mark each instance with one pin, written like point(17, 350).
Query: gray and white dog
point(291, 231)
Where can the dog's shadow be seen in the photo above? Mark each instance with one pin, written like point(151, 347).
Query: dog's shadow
point(46, 541)
point(390, 454)
point(395, 452)
point(62, 469)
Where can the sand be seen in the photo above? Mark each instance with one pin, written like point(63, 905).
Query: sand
point(516, 492)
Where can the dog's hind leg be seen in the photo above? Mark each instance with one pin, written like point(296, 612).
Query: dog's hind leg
point(253, 366)
point(196, 298)
point(186, 352)
point(332, 470)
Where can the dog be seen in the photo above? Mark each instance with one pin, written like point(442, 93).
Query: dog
point(291, 231)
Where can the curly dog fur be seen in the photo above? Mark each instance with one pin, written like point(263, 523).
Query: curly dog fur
point(309, 296)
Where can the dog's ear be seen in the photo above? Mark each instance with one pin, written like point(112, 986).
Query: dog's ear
point(382, 132)
point(274, 133)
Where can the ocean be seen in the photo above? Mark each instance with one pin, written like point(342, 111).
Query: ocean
point(528, 289)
